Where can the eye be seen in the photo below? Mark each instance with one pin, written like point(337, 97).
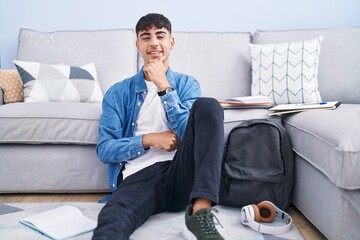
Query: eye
point(160, 36)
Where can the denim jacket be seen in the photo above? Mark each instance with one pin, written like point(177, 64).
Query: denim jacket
point(117, 142)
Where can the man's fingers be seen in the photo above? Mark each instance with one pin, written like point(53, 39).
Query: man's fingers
point(174, 144)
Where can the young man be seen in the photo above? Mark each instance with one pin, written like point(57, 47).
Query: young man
point(163, 143)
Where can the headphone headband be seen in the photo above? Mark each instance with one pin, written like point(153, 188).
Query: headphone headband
point(247, 218)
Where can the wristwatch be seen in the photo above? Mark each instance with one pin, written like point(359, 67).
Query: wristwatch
point(166, 91)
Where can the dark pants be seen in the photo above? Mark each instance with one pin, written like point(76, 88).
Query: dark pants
point(172, 185)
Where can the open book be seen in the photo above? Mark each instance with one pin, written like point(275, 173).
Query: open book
point(246, 102)
point(60, 223)
point(299, 107)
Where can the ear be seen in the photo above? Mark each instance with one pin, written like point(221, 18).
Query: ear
point(137, 44)
point(172, 43)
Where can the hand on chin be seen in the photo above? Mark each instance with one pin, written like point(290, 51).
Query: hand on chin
point(153, 59)
point(155, 71)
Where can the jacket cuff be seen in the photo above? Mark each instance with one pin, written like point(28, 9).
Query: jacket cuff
point(138, 147)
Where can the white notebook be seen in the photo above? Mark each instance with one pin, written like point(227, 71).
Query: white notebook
point(60, 223)
point(299, 107)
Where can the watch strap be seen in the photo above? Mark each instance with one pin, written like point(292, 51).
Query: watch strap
point(167, 90)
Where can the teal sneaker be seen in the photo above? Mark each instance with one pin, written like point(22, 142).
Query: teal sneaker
point(201, 226)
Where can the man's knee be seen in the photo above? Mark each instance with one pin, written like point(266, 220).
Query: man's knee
point(207, 107)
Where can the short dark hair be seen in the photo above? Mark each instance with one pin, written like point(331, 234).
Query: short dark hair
point(152, 20)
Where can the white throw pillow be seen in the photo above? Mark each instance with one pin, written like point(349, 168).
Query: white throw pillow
point(59, 83)
point(286, 72)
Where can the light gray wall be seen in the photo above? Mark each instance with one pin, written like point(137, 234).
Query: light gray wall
point(185, 15)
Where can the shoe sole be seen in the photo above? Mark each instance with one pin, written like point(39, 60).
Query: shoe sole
point(187, 234)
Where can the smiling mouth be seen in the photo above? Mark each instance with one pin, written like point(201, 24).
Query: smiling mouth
point(155, 52)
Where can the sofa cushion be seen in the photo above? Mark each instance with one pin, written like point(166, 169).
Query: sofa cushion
point(76, 123)
point(11, 85)
point(33, 123)
point(329, 140)
point(219, 61)
point(113, 51)
point(286, 72)
point(339, 59)
point(59, 83)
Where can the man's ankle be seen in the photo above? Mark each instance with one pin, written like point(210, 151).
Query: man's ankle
point(201, 203)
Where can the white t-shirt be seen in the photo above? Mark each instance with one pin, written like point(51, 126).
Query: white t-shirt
point(151, 119)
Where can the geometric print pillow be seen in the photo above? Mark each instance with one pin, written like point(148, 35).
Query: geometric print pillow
point(59, 83)
point(286, 72)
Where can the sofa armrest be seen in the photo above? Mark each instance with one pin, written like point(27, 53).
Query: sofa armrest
point(1, 96)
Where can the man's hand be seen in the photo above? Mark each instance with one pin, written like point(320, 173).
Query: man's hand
point(155, 71)
point(166, 141)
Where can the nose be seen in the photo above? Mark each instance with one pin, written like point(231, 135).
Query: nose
point(154, 42)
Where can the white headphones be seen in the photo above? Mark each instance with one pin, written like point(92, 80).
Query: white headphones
point(252, 215)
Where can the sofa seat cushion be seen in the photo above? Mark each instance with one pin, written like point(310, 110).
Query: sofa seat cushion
point(329, 140)
point(36, 123)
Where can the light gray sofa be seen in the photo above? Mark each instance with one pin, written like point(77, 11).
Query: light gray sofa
point(50, 147)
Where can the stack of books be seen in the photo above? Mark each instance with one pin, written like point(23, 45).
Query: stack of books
point(246, 102)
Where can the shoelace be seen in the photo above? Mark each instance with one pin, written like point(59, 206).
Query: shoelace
point(207, 221)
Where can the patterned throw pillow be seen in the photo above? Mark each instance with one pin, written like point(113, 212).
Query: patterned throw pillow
point(59, 83)
point(11, 85)
point(286, 72)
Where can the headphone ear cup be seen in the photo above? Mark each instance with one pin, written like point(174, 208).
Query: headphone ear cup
point(257, 216)
point(266, 211)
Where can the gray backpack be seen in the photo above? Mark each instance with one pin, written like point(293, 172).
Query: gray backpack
point(258, 164)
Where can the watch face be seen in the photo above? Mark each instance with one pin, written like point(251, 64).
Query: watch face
point(169, 89)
